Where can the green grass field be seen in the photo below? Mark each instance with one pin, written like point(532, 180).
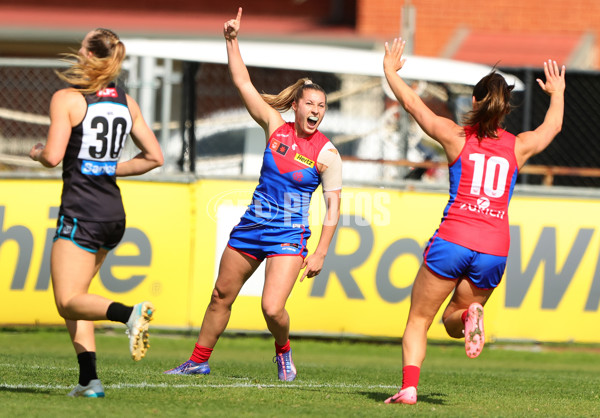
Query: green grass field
point(341, 378)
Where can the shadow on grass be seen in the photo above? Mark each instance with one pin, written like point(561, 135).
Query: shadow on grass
point(23, 390)
point(431, 398)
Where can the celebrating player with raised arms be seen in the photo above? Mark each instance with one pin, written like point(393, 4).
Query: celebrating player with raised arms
point(467, 254)
point(296, 160)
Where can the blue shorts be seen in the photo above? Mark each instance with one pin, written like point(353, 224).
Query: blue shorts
point(260, 242)
point(88, 235)
point(453, 261)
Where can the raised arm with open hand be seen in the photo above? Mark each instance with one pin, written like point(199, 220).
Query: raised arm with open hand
point(392, 59)
point(443, 130)
point(533, 142)
point(555, 79)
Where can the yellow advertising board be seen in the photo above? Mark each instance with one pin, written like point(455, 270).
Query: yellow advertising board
point(176, 233)
point(152, 262)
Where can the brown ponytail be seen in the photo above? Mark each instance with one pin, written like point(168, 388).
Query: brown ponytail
point(283, 101)
point(492, 95)
point(96, 72)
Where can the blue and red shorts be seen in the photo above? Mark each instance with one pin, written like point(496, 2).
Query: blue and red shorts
point(260, 242)
point(452, 261)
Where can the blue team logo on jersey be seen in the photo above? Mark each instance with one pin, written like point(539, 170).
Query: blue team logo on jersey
point(99, 168)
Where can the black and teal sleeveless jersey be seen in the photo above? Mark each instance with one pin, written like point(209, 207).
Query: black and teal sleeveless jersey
point(90, 190)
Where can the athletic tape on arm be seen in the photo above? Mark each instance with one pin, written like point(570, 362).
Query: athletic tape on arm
point(331, 177)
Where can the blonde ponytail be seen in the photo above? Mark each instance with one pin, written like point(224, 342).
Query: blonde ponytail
point(89, 74)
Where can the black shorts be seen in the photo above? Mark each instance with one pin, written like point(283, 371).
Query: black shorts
point(89, 235)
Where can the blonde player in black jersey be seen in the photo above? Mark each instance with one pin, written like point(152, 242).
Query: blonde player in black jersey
point(90, 122)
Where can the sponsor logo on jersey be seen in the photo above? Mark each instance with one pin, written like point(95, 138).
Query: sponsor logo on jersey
point(108, 92)
point(304, 160)
point(483, 202)
point(279, 148)
point(483, 207)
point(99, 168)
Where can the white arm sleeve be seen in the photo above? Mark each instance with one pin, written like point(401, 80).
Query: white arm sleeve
point(331, 177)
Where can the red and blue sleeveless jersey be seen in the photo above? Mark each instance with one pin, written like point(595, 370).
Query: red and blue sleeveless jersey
point(90, 191)
point(482, 180)
point(288, 178)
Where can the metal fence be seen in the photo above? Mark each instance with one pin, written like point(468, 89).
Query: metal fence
point(577, 147)
point(203, 127)
point(26, 87)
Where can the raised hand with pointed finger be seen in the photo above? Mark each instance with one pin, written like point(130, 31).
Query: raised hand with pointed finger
point(232, 26)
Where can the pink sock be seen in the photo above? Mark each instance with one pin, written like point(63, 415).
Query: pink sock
point(280, 349)
point(410, 376)
point(201, 354)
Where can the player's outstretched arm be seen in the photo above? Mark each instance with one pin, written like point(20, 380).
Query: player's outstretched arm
point(533, 142)
point(260, 111)
point(443, 130)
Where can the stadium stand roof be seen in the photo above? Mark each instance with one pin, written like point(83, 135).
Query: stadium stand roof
point(309, 57)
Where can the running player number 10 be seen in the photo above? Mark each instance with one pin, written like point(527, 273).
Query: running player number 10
point(491, 174)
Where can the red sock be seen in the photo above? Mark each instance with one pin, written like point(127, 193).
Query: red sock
point(410, 376)
point(463, 317)
point(280, 349)
point(201, 354)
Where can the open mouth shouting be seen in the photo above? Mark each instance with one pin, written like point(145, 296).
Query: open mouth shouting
point(312, 121)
